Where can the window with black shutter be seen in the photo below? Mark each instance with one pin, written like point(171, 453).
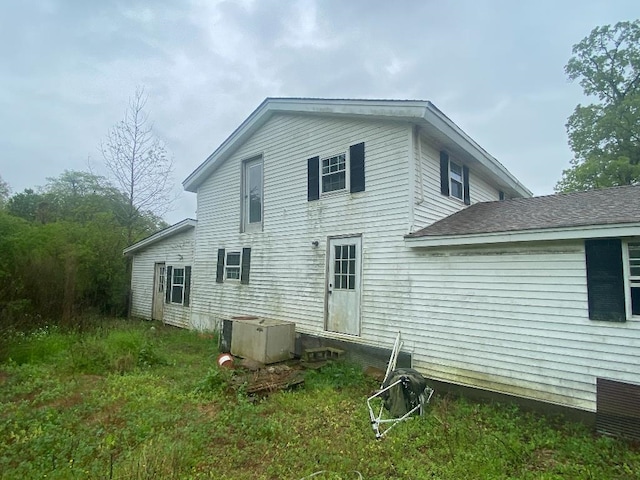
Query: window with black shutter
point(336, 173)
point(605, 280)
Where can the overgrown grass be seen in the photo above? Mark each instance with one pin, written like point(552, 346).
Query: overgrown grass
point(136, 400)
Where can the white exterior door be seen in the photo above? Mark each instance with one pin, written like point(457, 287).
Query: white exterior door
point(158, 291)
point(344, 285)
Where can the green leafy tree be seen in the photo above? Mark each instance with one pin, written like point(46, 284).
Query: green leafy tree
point(605, 136)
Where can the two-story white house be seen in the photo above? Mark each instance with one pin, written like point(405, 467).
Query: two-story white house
point(357, 219)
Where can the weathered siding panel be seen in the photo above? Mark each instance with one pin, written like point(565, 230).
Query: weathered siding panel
point(176, 251)
point(287, 271)
point(515, 320)
point(429, 204)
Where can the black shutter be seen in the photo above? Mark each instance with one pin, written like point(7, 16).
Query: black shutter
point(168, 285)
point(605, 280)
point(220, 267)
point(444, 173)
point(500, 195)
point(246, 262)
point(356, 160)
point(187, 285)
point(465, 180)
point(313, 178)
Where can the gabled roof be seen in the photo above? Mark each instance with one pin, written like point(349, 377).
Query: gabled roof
point(183, 226)
point(571, 215)
point(420, 112)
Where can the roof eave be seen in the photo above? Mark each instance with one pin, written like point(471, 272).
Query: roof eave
point(184, 225)
point(439, 120)
point(547, 234)
point(409, 110)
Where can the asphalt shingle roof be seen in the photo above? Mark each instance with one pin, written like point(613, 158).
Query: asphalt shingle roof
point(608, 206)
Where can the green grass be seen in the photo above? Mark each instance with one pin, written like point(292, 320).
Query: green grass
point(135, 400)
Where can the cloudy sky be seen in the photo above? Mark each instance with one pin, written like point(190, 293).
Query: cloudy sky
point(495, 67)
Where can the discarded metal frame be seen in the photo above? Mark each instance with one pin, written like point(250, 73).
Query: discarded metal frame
point(378, 421)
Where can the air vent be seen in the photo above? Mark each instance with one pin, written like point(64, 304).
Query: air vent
point(618, 408)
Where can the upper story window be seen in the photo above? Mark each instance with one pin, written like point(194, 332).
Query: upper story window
point(252, 193)
point(454, 179)
point(341, 172)
point(334, 173)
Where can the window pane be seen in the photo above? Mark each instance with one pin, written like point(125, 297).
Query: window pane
point(233, 273)
point(255, 193)
point(352, 282)
point(233, 258)
point(456, 189)
point(178, 276)
point(337, 266)
point(352, 251)
point(635, 300)
point(352, 267)
point(333, 173)
point(176, 294)
point(338, 250)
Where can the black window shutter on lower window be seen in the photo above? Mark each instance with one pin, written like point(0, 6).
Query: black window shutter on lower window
point(246, 263)
point(220, 266)
point(465, 179)
point(187, 286)
point(313, 178)
point(605, 280)
point(167, 285)
point(444, 173)
point(356, 160)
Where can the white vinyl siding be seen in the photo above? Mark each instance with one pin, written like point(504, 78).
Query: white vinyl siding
point(174, 251)
point(429, 204)
point(515, 320)
point(287, 270)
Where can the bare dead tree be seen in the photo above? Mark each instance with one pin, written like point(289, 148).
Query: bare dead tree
point(139, 165)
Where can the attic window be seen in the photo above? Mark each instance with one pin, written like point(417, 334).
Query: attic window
point(455, 177)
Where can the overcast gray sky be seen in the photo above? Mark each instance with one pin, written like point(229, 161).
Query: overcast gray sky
point(494, 67)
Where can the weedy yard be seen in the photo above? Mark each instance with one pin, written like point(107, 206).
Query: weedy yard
point(136, 400)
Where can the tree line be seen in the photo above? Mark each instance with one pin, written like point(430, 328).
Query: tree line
point(61, 244)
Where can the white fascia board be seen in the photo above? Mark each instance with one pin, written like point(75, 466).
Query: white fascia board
point(549, 234)
point(182, 226)
point(440, 121)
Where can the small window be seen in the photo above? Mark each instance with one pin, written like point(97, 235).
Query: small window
point(345, 267)
point(334, 173)
point(177, 285)
point(252, 192)
point(161, 277)
point(233, 266)
point(456, 179)
point(634, 276)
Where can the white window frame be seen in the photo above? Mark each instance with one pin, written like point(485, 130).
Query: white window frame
point(629, 280)
point(347, 173)
point(247, 165)
point(452, 179)
point(182, 285)
point(234, 268)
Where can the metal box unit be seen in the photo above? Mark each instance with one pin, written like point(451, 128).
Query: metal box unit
point(263, 340)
